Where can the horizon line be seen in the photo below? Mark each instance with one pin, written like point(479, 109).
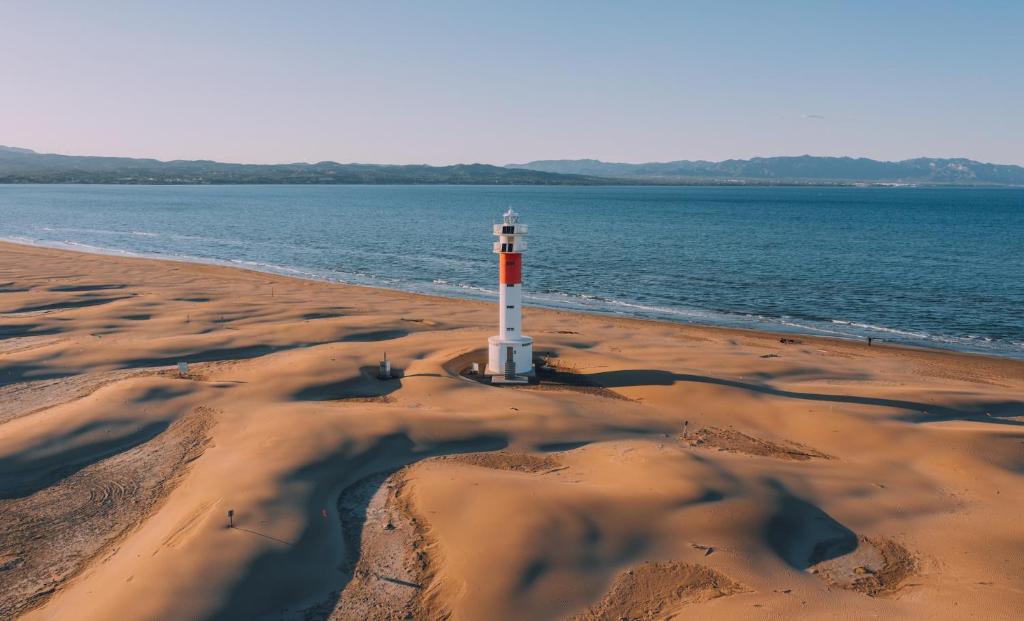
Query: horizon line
point(512, 164)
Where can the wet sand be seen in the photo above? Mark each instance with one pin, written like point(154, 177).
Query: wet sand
point(658, 471)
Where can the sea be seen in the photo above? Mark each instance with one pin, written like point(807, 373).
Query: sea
point(929, 267)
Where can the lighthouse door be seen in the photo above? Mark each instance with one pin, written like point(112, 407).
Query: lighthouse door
point(510, 363)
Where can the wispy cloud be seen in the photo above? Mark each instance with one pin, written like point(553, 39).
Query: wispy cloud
point(813, 116)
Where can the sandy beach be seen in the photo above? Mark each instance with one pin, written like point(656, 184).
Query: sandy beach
point(658, 470)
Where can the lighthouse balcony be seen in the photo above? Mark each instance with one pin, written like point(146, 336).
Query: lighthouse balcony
point(510, 229)
point(517, 246)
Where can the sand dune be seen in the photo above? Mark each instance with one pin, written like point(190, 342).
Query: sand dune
point(83, 504)
point(657, 471)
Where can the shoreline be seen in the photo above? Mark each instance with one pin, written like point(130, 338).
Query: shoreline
point(227, 265)
point(604, 182)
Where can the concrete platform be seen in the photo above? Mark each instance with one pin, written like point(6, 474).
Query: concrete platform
point(501, 379)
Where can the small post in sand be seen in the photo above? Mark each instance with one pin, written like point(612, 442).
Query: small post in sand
point(231, 518)
point(385, 368)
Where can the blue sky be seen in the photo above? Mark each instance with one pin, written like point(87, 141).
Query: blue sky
point(446, 81)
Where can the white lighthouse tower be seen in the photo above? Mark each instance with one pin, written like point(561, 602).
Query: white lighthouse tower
point(509, 353)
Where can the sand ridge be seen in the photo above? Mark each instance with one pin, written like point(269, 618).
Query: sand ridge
point(731, 440)
point(658, 590)
point(735, 476)
point(505, 460)
point(879, 566)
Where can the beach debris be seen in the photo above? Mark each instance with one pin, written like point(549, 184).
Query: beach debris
point(786, 341)
point(708, 550)
point(231, 518)
point(385, 368)
point(183, 369)
point(474, 368)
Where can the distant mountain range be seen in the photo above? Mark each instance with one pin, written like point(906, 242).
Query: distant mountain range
point(804, 169)
point(26, 166)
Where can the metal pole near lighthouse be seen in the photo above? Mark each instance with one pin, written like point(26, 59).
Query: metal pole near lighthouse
point(510, 353)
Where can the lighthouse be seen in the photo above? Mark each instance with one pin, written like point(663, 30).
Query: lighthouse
point(510, 353)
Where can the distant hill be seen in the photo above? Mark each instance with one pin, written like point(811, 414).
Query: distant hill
point(26, 166)
point(802, 169)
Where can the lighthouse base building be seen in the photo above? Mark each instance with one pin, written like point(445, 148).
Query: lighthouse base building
point(510, 352)
point(502, 352)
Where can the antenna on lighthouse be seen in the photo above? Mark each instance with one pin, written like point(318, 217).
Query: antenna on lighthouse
point(510, 352)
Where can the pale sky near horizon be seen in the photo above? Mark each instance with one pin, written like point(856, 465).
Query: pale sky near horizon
point(443, 81)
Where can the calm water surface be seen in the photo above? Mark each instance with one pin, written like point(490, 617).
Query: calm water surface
point(931, 267)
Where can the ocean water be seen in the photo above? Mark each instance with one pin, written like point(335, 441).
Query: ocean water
point(928, 267)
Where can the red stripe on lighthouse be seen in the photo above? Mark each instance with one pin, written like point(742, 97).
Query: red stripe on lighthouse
point(511, 268)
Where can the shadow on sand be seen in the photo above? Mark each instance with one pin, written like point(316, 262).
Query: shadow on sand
point(373, 336)
point(917, 412)
point(30, 372)
point(49, 460)
point(84, 288)
point(259, 534)
point(31, 329)
point(801, 534)
point(67, 304)
point(267, 586)
point(366, 385)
